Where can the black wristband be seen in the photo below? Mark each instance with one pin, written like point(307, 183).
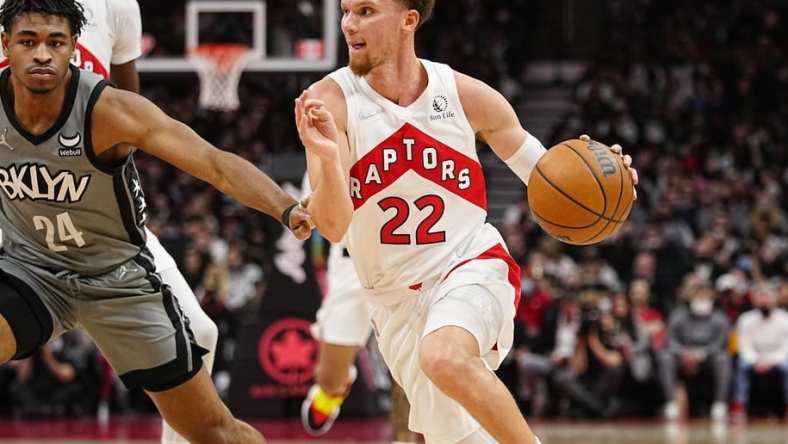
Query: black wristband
point(286, 215)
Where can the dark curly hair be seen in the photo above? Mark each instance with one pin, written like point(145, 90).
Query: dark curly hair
point(69, 9)
point(424, 7)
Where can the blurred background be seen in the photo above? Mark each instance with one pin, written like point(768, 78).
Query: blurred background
point(647, 325)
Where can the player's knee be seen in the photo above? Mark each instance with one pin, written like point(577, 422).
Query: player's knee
point(441, 363)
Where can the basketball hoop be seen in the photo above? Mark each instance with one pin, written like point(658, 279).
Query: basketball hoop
point(219, 66)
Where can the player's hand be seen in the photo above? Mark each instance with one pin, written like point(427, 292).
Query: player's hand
point(316, 128)
point(626, 158)
point(301, 222)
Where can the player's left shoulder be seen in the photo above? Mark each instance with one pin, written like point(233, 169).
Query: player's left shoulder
point(469, 87)
point(483, 105)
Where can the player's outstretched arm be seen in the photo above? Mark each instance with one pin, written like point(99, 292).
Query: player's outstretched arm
point(124, 117)
point(495, 122)
point(320, 116)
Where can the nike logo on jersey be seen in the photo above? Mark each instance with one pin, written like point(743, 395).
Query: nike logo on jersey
point(364, 115)
point(410, 149)
point(36, 182)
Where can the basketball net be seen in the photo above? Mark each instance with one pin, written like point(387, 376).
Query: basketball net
point(219, 66)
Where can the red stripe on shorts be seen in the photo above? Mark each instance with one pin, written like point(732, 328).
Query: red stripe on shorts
point(499, 252)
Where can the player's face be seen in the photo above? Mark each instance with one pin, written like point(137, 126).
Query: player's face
point(39, 48)
point(373, 30)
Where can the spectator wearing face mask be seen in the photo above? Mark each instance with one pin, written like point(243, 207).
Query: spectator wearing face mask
point(763, 345)
point(696, 346)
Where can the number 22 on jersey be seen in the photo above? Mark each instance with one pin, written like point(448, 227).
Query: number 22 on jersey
point(424, 232)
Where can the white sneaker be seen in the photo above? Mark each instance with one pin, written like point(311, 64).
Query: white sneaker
point(719, 411)
point(671, 411)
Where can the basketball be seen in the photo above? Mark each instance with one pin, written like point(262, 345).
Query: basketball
point(580, 192)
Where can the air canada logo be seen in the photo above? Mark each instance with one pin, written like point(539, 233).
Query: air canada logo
point(440, 104)
point(69, 145)
point(287, 352)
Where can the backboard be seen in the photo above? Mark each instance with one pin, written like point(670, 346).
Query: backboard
point(284, 35)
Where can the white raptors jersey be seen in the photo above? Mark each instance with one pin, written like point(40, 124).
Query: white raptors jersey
point(112, 35)
point(416, 183)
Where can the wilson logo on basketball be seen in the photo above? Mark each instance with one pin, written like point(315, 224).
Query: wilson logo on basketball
point(603, 158)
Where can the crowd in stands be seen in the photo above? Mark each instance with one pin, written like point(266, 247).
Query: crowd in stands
point(694, 287)
point(682, 312)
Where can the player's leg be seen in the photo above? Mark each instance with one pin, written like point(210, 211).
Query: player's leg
point(342, 327)
point(334, 363)
point(140, 327)
point(206, 420)
point(150, 346)
point(334, 375)
point(451, 359)
point(468, 321)
point(25, 322)
point(400, 412)
point(205, 332)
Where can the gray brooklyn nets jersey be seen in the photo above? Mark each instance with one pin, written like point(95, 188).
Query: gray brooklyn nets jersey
point(61, 208)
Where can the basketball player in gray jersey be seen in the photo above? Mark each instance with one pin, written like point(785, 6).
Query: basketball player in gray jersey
point(73, 212)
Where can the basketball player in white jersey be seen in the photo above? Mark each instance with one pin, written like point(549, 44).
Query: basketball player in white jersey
point(342, 328)
point(109, 46)
point(401, 133)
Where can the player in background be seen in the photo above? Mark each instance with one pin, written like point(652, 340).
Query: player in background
point(400, 133)
point(109, 46)
point(342, 328)
point(74, 212)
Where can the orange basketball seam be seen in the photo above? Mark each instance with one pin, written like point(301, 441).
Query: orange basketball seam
point(562, 238)
point(593, 173)
point(571, 199)
point(618, 203)
point(566, 226)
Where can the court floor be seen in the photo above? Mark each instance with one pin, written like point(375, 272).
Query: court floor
point(144, 431)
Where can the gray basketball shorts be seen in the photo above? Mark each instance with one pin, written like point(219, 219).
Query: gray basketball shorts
point(132, 317)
